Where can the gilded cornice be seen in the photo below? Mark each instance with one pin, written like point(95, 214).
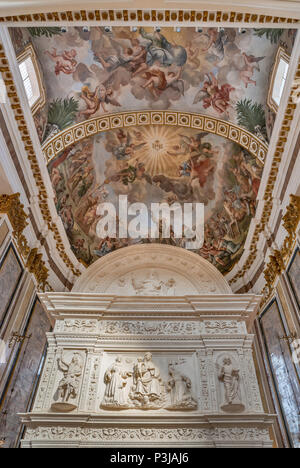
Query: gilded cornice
point(88, 128)
point(165, 16)
point(268, 195)
point(32, 158)
point(279, 258)
point(33, 260)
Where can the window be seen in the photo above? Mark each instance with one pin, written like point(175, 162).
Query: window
point(278, 79)
point(25, 69)
point(31, 77)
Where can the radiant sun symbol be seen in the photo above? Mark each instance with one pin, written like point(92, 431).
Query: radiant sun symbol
point(157, 145)
point(156, 153)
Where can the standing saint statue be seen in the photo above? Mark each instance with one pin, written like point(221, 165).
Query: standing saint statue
point(68, 387)
point(115, 379)
point(231, 379)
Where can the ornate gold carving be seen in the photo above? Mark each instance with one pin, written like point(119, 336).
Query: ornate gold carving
point(169, 16)
point(91, 127)
point(280, 258)
point(29, 148)
point(290, 222)
point(11, 205)
point(36, 266)
point(268, 198)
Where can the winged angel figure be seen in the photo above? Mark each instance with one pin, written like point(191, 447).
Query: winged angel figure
point(211, 94)
point(94, 100)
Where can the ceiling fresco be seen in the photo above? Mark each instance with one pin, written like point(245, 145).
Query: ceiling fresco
point(157, 164)
point(219, 72)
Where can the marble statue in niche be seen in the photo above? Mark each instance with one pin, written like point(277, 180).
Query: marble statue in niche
point(115, 379)
point(148, 390)
point(180, 388)
point(230, 377)
point(68, 387)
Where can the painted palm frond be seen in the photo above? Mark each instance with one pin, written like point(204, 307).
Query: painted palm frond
point(45, 31)
point(250, 115)
point(62, 112)
point(272, 35)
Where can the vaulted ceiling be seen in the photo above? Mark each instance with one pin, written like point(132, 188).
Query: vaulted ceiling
point(176, 114)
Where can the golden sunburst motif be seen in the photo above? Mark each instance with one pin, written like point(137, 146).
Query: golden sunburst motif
point(156, 145)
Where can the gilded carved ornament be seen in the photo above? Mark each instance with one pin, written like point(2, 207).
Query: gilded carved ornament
point(13, 208)
point(279, 258)
point(168, 16)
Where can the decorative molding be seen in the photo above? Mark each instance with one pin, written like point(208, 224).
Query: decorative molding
point(148, 16)
point(11, 205)
point(148, 434)
point(82, 130)
point(29, 148)
point(268, 199)
point(280, 258)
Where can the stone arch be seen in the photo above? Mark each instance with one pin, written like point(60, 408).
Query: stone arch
point(152, 270)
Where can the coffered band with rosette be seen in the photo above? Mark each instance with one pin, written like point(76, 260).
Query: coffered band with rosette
point(82, 130)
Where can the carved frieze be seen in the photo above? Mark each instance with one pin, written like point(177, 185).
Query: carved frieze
point(147, 434)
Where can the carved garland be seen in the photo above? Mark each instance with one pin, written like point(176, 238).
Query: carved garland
point(169, 16)
point(29, 148)
point(11, 205)
point(280, 258)
point(91, 127)
point(268, 200)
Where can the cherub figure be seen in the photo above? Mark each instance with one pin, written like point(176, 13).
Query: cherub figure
point(251, 64)
point(64, 62)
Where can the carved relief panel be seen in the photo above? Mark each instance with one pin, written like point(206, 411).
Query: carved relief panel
point(148, 382)
point(70, 370)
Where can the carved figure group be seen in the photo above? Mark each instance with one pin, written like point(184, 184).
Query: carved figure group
point(147, 389)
